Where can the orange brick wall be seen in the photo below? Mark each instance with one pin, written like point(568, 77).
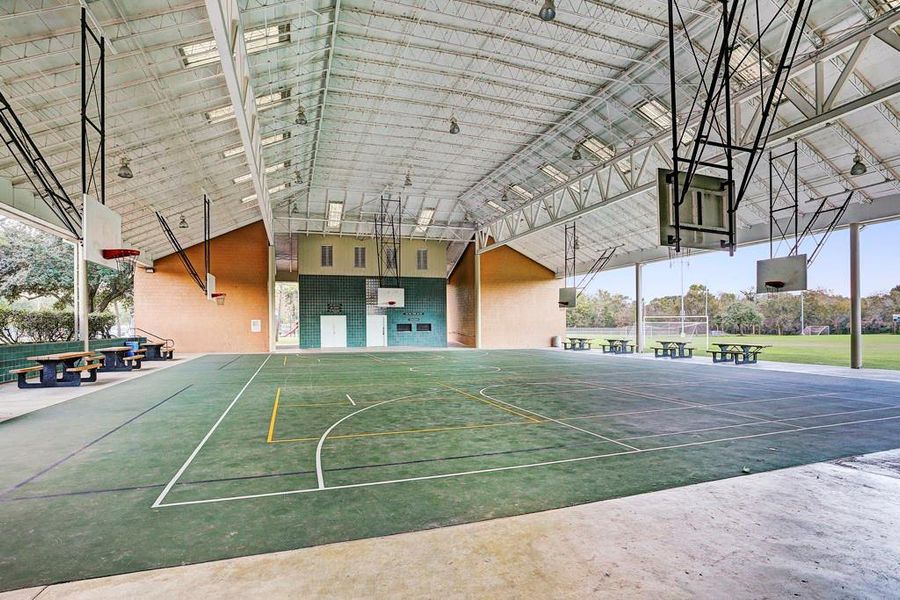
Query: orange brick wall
point(170, 304)
point(461, 300)
point(519, 301)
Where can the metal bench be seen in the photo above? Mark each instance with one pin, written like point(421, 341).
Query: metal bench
point(23, 373)
point(90, 367)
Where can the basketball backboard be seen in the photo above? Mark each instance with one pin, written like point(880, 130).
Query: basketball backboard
point(391, 297)
point(210, 286)
point(783, 274)
point(101, 230)
point(568, 297)
point(703, 215)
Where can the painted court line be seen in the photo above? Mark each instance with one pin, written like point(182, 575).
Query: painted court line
point(350, 399)
point(569, 425)
point(489, 403)
point(320, 478)
point(271, 435)
point(206, 437)
point(515, 467)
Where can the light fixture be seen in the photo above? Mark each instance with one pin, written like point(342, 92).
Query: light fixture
point(298, 178)
point(454, 126)
point(858, 168)
point(408, 181)
point(505, 196)
point(125, 170)
point(576, 153)
point(301, 116)
point(149, 270)
point(183, 224)
point(548, 11)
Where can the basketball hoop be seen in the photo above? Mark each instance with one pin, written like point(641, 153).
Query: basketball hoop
point(774, 286)
point(125, 258)
point(219, 297)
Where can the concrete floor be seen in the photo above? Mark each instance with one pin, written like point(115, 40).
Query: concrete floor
point(829, 530)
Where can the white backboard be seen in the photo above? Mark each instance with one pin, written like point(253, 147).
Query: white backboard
point(210, 286)
point(391, 297)
point(101, 229)
point(783, 274)
point(567, 297)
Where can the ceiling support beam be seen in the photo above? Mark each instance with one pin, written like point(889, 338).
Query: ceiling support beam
point(323, 103)
point(521, 221)
point(225, 20)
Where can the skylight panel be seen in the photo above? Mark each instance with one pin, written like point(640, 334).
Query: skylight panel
point(495, 206)
point(272, 190)
point(597, 148)
point(424, 219)
point(234, 151)
point(272, 169)
point(554, 173)
point(746, 66)
point(518, 189)
point(206, 52)
point(656, 113)
point(218, 115)
point(335, 212)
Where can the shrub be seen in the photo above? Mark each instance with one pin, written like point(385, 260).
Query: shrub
point(18, 326)
point(99, 324)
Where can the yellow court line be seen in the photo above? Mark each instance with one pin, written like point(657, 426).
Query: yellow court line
point(285, 361)
point(315, 404)
point(271, 437)
point(405, 432)
point(500, 406)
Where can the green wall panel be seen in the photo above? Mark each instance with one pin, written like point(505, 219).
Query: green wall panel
point(426, 303)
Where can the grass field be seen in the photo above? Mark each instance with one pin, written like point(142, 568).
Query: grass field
point(228, 456)
point(880, 351)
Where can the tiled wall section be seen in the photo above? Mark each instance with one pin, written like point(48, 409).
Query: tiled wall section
point(14, 356)
point(425, 303)
point(425, 299)
point(332, 295)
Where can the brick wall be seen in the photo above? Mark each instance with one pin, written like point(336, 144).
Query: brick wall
point(168, 302)
point(461, 300)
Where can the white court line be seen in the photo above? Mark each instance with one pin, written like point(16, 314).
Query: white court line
point(596, 435)
point(515, 467)
point(320, 478)
point(350, 399)
point(209, 433)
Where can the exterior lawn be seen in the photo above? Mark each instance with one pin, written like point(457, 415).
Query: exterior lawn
point(880, 351)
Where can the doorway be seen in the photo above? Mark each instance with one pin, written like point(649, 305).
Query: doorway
point(376, 330)
point(333, 331)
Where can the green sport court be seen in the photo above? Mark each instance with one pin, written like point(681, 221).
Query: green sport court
point(231, 455)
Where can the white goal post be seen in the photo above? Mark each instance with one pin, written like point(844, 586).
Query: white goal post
point(816, 330)
point(681, 326)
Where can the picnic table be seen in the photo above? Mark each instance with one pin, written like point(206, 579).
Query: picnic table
point(577, 343)
point(157, 351)
point(673, 349)
point(737, 353)
point(71, 375)
point(617, 346)
point(115, 359)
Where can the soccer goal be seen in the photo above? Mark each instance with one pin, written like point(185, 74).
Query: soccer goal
point(689, 327)
point(816, 330)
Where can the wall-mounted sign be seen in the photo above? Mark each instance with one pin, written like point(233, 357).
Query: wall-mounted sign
point(255, 326)
point(414, 314)
point(335, 309)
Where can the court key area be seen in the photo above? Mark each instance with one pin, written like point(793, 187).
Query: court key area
point(231, 455)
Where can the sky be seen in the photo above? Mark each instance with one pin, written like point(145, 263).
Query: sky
point(880, 262)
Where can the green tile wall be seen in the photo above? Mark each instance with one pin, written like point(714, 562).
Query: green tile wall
point(345, 295)
point(13, 356)
point(425, 299)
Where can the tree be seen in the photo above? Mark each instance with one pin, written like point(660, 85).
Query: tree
point(34, 264)
point(741, 315)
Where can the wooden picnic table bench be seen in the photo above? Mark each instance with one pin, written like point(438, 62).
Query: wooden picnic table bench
point(114, 359)
point(158, 351)
point(673, 349)
point(577, 343)
point(739, 354)
point(49, 367)
point(617, 346)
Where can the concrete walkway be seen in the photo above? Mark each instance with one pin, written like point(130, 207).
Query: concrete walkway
point(829, 530)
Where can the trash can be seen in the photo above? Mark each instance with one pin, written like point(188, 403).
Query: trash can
point(556, 341)
point(134, 348)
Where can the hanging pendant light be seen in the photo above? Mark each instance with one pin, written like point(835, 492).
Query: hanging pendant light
point(548, 11)
point(859, 167)
point(301, 115)
point(408, 181)
point(183, 224)
point(576, 153)
point(505, 196)
point(454, 126)
point(125, 170)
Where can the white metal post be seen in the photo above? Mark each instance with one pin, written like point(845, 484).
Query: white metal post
point(477, 300)
point(81, 297)
point(638, 308)
point(272, 322)
point(855, 300)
